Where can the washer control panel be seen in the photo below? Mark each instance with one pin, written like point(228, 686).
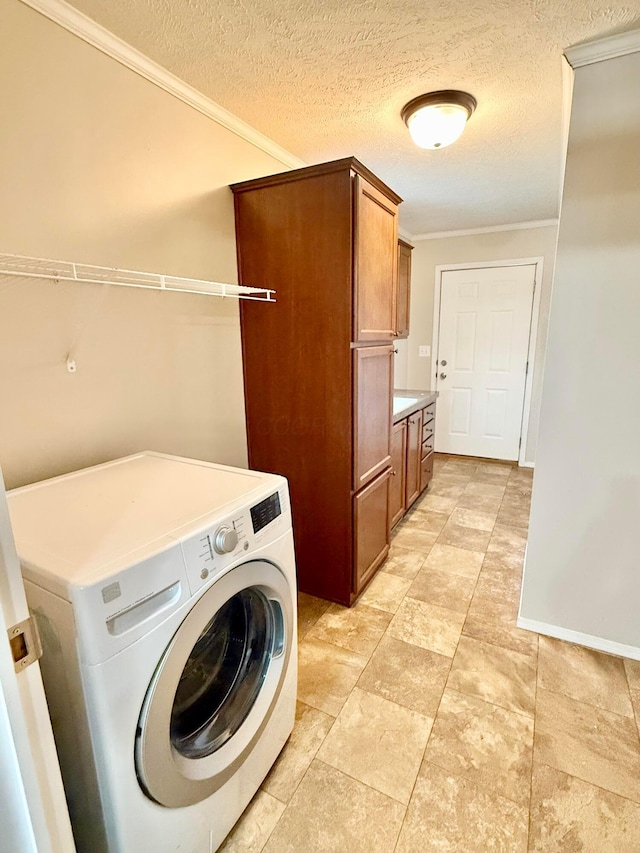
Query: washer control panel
point(209, 552)
point(225, 540)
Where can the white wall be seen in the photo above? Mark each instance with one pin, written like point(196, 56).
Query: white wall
point(415, 372)
point(582, 578)
point(99, 165)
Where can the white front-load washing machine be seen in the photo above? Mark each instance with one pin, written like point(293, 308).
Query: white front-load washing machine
point(165, 593)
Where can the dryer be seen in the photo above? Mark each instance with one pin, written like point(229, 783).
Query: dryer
point(165, 593)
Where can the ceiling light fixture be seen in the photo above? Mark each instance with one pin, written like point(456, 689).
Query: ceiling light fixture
point(438, 119)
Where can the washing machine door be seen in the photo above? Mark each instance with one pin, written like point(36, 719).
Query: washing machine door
point(215, 686)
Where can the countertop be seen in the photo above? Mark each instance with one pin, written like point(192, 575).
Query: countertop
point(419, 399)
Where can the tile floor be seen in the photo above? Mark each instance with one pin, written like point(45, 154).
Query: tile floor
point(428, 722)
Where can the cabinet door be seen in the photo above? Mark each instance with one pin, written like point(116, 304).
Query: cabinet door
point(372, 394)
point(375, 270)
point(403, 292)
point(398, 470)
point(371, 529)
point(414, 457)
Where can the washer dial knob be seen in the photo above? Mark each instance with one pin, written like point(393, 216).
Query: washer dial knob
point(225, 540)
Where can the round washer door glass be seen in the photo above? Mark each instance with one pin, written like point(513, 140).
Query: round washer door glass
point(225, 672)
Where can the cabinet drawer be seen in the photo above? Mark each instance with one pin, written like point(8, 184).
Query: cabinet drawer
point(427, 446)
point(426, 471)
point(429, 412)
point(427, 429)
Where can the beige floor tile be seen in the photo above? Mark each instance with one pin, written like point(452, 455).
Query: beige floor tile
point(497, 469)
point(568, 815)
point(584, 675)
point(408, 536)
point(498, 628)
point(427, 625)
point(378, 743)
point(332, 813)
point(461, 464)
point(403, 562)
point(457, 561)
point(465, 517)
point(517, 489)
point(443, 588)
point(311, 728)
point(449, 814)
point(406, 674)
point(357, 629)
point(503, 545)
point(498, 581)
point(480, 504)
point(436, 503)
point(310, 609)
point(495, 478)
point(498, 675)
point(485, 744)
point(444, 487)
point(385, 592)
point(421, 519)
point(255, 826)
point(514, 517)
point(464, 537)
point(594, 745)
point(485, 490)
point(327, 674)
point(632, 669)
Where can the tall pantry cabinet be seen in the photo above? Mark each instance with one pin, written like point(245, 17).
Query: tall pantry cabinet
point(318, 364)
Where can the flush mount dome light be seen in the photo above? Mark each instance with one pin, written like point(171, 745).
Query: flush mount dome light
point(438, 119)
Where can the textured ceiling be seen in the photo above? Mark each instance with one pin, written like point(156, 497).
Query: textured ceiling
point(327, 79)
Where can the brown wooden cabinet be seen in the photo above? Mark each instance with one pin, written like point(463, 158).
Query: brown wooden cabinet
point(412, 442)
point(371, 528)
point(373, 388)
point(403, 290)
point(398, 466)
point(318, 362)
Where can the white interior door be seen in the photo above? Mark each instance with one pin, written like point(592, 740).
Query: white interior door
point(483, 341)
point(33, 809)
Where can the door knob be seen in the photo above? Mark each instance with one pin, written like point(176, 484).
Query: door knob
point(443, 376)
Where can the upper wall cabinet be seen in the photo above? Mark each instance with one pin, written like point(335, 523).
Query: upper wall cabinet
point(375, 263)
point(403, 290)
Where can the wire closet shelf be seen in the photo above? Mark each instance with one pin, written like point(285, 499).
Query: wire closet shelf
point(19, 265)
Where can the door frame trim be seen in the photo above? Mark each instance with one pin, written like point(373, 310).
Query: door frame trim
point(538, 263)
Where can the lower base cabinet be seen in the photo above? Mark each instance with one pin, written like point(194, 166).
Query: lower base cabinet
point(371, 529)
point(411, 459)
point(398, 472)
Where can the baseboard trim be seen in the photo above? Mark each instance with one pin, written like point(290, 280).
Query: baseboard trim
point(527, 464)
point(600, 644)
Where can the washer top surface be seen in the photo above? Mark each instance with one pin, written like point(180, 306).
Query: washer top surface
point(75, 525)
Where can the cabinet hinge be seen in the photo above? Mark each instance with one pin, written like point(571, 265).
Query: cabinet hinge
point(526, 370)
point(24, 640)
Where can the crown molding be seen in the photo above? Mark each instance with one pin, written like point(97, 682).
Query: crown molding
point(606, 48)
point(92, 33)
point(489, 229)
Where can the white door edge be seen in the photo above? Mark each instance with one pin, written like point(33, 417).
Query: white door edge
point(39, 814)
point(538, 263)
